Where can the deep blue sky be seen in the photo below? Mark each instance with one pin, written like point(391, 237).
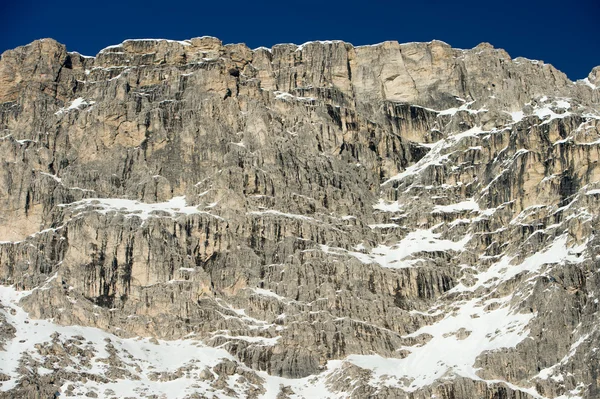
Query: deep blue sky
point(564, 33)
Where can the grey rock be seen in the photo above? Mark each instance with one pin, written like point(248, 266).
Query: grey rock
point(248, 198)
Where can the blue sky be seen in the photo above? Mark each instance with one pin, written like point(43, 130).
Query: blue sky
point(563, 33)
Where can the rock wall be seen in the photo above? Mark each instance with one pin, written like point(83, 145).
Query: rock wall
point(323, 213)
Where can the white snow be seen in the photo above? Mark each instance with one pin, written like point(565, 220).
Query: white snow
point(563, 104)
point(504, 269)
point(76, 104)
point(262, 48)
point(141, 357)
point(517, 116)
point(131, 208)
point(445, 354)
point(467, 205)
point(56, 178)
point(240, 144)
point(282, 95)
point(398, 256)
point(269, 293)
point(307, 387)
point(383, 226)
point(182, 42)
point(546, 111)
point(384, 206)
point(324, 42)
point(272, 212)
point(416, 241)
point(166, 356)
point(435, 156)
point(463, 108)
point(587, 82)
point(364, 258)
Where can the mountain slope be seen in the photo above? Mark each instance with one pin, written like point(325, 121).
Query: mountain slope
point(394, 221)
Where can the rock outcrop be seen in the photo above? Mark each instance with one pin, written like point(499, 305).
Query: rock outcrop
point(390, 221)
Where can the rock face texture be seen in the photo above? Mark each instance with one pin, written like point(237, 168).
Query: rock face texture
point(196, 220)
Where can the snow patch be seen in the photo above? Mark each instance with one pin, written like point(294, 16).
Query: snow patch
point(397, 256)
point(268, 293)
point(323, 42)
point(131, 208)
point(76, 104)
point(383, 226)
point(272, 212)
point(182, 42)
point(281, 95)
point(384, 206)
point(449, 353)
point(416, 241)
point(166, 356)
point(517, 116)
point(434, 156)
point(504, 270)
point(587, 82)
point(468, 205)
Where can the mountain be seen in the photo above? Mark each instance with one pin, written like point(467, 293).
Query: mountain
point(187, 219)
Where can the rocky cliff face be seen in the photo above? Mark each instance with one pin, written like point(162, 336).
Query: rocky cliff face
point(192, 219)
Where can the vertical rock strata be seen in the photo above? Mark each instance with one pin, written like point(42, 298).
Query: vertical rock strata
point(389, 221)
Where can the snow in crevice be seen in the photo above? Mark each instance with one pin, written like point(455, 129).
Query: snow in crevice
point(361, 256)
point(465, 107)
point(252, 323)
point(54, 177)
point(383, 226)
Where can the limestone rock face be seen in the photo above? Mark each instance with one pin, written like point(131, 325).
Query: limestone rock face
point(192, 219)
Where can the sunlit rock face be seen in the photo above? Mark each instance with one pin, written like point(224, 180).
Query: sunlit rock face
point(187, 219)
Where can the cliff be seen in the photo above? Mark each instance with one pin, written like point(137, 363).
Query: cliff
point(192, 219)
